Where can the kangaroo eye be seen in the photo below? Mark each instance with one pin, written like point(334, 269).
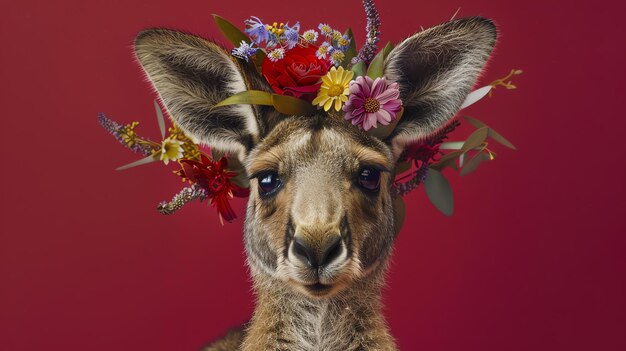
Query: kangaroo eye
point(369, 179)
point(268, 183)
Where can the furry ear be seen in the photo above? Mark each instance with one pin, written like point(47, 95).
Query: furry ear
point(191, 75)
point(435, 70)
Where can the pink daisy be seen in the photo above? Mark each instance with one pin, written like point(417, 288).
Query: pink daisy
point(372, 101)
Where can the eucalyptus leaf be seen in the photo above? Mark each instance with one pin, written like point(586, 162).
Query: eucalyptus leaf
point(143, 161)
point(492, 133)
point(351, 52)
point(230, 31)
point(446, 160)
point(499, 138)
point(439, 192)
point(475, 139)
point(475, 96)
point(399, 213)
point(160, 118)
point(451, 145)
point(473, 121)
point(473, 163)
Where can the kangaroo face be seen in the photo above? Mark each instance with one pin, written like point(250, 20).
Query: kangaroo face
point(320, 215)
point(320, 212)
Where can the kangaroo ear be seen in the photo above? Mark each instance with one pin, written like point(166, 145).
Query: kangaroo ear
point(435, 70)
point(191, 75)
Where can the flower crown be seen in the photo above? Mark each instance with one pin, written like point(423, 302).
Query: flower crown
point(306, 75)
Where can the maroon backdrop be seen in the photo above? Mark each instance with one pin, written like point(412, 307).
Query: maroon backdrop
point(533, 258)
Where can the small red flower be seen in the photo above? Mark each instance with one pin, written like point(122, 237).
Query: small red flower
point(422, 152)
point(214, 177)
point(298, 74)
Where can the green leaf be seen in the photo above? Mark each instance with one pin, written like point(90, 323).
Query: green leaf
point(230, 31)
point(451, 145)
point(387, 49)
point(290, 105)
point(499, 138)
point(473, 121)
point(475, 96)
point(252, 97)
point(358, 69)
point(446, 160)
point(475, 139)
point(492, 133)
point(377, 65)
point(284, 104)
point(160, 118)
point(383, 131)
point(439, 192)
point(143, 161)
point(399, 213)
point(472, 164)
point(351, 52)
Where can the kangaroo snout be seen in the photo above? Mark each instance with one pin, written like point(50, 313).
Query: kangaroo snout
point(318, 253)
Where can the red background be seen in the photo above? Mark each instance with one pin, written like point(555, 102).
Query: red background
point(533, 258)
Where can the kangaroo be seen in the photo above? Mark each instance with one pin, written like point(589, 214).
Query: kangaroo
point(319, 226)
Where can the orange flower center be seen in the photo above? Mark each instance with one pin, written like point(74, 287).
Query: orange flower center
point(371, 105)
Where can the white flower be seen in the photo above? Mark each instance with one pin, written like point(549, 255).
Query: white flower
point(276, 54)
point(171, 150)
point(310, 36)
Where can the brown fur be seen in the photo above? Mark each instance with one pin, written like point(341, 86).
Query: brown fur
point(327, 295)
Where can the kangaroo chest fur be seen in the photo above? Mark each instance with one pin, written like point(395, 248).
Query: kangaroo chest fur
point(350, 320)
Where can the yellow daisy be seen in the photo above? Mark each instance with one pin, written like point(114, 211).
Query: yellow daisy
point(334, 89)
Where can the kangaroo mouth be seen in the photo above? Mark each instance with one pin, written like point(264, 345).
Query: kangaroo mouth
point(318, 288)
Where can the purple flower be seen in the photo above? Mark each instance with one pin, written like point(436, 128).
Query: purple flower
point(244, 51)
point(292, 35)
point(372, 101)
point(257, 31)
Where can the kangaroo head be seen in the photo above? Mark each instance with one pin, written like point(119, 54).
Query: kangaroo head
point(320, 212)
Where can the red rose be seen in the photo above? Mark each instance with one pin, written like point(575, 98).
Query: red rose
point(298, 74)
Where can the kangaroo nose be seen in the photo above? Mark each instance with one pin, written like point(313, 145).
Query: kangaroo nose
point(317, 256)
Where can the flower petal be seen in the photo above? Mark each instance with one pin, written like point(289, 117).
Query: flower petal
point(370, 121)
point(328, 103)
point(392, 106)
point(320, 99)
point(387, 95)
point(327, 81)
point(337, 104)
point(383, 117)
point(378, 87)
